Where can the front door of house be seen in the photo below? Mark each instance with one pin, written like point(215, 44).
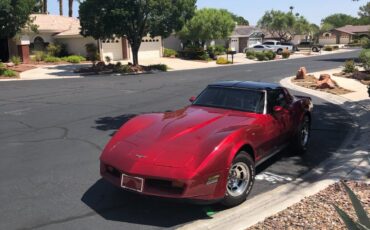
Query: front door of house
point(4, 50)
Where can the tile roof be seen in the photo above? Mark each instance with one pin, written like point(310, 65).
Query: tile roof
point(354, 29)
point(62, 26)
point(244, 31)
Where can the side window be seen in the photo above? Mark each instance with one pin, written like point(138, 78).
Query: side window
point(276, 98)
point(278, 43)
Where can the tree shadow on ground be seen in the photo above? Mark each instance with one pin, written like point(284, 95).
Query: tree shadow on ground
point(64, 70)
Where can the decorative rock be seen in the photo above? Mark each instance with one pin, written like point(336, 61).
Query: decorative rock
point(301, 74)
point(325, 82)
point(10, 64)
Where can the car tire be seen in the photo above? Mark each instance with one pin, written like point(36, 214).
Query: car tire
point(302, 137)
point(240, 180)
point(315, 49)
point(279, 51)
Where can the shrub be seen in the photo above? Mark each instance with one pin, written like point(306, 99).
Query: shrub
point(193, 53)
point(92, 52)
point(63, 50)
point(16, 60)
point(285, 54)
point(51, 59)
point(9, 73)
point(53, 50)
point(123, 69)
point(169, 53)
point(74, 59)
point(39, 56)
point(216, 50)
point(108, 59)
point(349, 66)
point(2, 65)
point(365, 43)
point(250, 54)
point(222, 61)
point(335, 47)
point(260, 56)
point(328, 48)
point(365, 59)
point(270, 54)
point(161, 67)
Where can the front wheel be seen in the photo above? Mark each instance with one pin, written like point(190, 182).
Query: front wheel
point(315, 49)
point(303, 136)
point(240, 180)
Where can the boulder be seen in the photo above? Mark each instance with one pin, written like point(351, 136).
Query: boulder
point(301, 74)
point(10, 64)
point(325, 82)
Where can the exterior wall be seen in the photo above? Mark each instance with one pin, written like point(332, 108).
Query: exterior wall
point(172, 42)
point(76, 45)
point(47, 37)
point(299, 38)
point(234, 44)
point(150, 48)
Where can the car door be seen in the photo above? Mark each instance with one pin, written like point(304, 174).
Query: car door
point(284, 117)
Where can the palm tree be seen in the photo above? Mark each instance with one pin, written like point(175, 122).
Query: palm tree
point(291, 9)
point(60, 7)
point(70, 8)
point(45, 6)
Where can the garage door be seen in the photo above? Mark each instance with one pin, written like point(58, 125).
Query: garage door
point(150, 48)
point(112, 48)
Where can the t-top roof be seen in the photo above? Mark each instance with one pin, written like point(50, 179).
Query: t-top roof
point(246, 85)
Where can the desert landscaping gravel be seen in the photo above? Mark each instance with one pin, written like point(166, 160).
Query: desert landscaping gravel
point(317, 211)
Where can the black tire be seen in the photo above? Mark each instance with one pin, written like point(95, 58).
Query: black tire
point(233, 198)
point(315, 49)
point(302, 137)
point(279, 51)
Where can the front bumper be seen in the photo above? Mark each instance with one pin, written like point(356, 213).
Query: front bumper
point(195, 188)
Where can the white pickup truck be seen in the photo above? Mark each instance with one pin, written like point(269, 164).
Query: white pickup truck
point(277, 46)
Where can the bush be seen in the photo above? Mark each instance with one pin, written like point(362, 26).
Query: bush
point(123, 69)
point(250, 54)
point(365, 43)
point(365, 59)
point(193, 53)
point(74, 59)
point(53, 50)
point(39, 56)
point(270, 54)
point(51, 59)
point(328, 48)
point(63, 50)
point(222, 61)
point(8, 73)
point(260, 56)
point(335, 47)
point(349, 66)
point(16, 60)
point(161, 67)
point(92, 52)
point(169, 53)
point(285, 54)
point(2, 66)
point(216, 50)
point(108, 59)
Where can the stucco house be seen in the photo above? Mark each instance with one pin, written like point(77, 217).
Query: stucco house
point(345, 34)
point(66, 30)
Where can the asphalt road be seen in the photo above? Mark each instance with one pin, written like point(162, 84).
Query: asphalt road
point(52, 133)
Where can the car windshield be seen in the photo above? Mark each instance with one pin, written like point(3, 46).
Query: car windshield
point(232, 98)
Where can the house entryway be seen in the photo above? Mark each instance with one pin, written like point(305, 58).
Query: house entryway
point(4, 50)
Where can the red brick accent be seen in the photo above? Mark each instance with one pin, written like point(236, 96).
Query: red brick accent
point(24, 53)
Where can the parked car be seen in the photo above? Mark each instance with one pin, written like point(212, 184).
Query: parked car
point(290, 44)
point(208, 151)
point(277, 46)
point(310, 45)
point(259, 48)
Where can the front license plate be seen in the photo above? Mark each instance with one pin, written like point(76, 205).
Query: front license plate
point(132, 183)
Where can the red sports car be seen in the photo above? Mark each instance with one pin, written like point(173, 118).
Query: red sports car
point(208, 151)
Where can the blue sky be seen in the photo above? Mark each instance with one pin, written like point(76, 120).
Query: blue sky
point(313, 10)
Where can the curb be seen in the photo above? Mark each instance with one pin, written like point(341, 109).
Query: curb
point(352, 161)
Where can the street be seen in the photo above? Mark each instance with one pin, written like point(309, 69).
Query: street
point(53, 131)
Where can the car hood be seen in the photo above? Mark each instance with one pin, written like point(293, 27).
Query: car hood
point(175, 139)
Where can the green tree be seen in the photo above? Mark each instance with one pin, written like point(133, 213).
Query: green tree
point(239, 20)
point(60, 7)
point(134, 19)
point(339, 20)
point(364, 14)
point(284, 25)
point(14, 15)
point(208, 24)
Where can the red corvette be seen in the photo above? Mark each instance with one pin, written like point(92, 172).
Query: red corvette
point(208, 151)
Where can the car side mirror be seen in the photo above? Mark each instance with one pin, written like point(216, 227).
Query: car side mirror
point(278, 109)
point(192, 99)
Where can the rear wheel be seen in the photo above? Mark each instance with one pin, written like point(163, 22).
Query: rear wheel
point(240, 180)
point(303, 136)
point(315, 49)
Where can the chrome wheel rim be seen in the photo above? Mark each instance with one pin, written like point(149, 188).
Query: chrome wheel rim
point(305, 133)
point(238, 179)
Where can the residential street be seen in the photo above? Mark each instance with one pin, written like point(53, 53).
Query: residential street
point(53, 131)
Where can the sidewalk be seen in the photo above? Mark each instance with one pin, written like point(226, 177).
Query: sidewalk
point(351, 162)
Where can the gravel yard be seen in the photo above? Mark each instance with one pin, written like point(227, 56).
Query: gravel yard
point(317, 211)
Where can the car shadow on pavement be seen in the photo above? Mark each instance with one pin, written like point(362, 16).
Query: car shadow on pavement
point(112, 123)
point(118, 205)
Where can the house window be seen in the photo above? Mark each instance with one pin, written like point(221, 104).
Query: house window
point(38, 44)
